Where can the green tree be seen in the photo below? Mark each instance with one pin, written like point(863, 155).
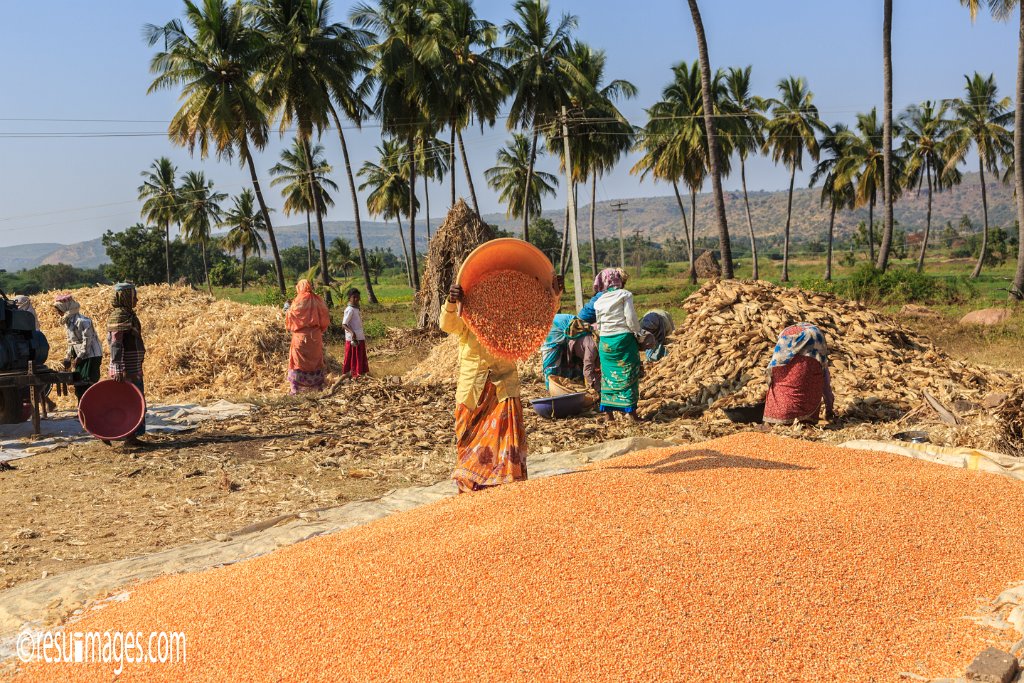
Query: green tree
point(432, 159)
point(1003, 10)
point(246, 224)
point(544, 236)
point(714, 156)
point(388, 183)
point(509, 179)
point(791, 131)
point(540, 78)
point(200, 211)
point(376, 262)
point(294, 173)
point(747, 135)
point(979, 121)
point(473, 78)
point(159, 195)
point(214, 62)
point(889, 181)
point(340, 256)
point(924, 130)
point(836, 189)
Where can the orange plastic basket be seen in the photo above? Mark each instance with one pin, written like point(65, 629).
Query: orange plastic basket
point(506, 253)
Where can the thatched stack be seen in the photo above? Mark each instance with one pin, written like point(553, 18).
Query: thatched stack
point(879, 369)
point(461, 232)
point(707, 266)
point(197, 347)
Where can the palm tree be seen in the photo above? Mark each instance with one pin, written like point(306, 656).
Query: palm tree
point(388, 183)
point(409, 91)
point(863, 165)
point(160, 201)
point(376, 261)
point(924, 131)
point(517, 188)
point(979, 120)
point(215, 65)
point(599, 134)
point(889, 188)
point(300, 55)
point(200, 212)
point(341, 256)
point(293, 172)
point(246, 225)
point(540, 77)
point(473, 77)
point(1002, 10)
point(433, 159)
point(836, 189)
point(714, 155)
point(792, 131)
point(748, 136)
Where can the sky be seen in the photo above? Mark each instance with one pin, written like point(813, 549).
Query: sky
point(66, 62)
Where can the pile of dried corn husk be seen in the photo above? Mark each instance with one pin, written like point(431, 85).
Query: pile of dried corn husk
point(880, 370)
point(461, 232)
point(441, 366)
point(197, 347)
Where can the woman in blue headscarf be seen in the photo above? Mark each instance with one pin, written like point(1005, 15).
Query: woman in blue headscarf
point(570, 351)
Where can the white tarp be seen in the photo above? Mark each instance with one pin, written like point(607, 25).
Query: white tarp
point(63, 428)
point(964, 458)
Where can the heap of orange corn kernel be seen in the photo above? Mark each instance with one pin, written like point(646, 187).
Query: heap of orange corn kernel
point(509, 312)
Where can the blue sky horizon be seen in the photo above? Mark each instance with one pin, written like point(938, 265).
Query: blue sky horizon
point(91, 73)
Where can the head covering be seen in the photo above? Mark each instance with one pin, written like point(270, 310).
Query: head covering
point(66, 304)
point(610, 277)
point(802, 339)
point(659, 324)
point(123, 317)
point(308, 310)
point(23, 303)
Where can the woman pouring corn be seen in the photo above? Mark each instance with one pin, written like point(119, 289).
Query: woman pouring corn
point(490, 433)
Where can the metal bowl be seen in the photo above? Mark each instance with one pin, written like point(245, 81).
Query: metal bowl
point(561, 406)
point(912, 437)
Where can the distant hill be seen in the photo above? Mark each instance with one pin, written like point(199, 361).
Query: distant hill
point(655, 217)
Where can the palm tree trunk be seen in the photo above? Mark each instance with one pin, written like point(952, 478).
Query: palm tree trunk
point(871, 228)
point(927, 222)
point(309, 243)
point(469, 176)
point(414, 270)
point(888, 186)
point(206, 269)
point(831, 231)
point(693, 236)
point(451, 157)
point(244, 150)
point(984, 211)
point(405, 251)
point(244, 254)
point(426, 197)
point(526, 189)
point(370, 296)
point(563, 260)
point(314, 192)
point(1017, 289)
point(724, 247)
point(750, 222)
point(679, 201)
point(789, 218)
point(167, 249)
point(593, 234)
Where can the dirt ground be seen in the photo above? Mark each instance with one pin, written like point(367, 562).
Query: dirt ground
point(89, 504)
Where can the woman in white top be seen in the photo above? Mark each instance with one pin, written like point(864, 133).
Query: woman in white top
point(355, 340)
point(618, 327)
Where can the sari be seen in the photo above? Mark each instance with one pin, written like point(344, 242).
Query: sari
point(620, 372)
point(560, 357)
point(307, 319)
point(798, 377)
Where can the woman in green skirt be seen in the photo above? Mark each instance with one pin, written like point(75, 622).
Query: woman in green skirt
point(618, 327)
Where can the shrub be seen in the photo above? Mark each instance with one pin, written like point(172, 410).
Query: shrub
point(903, 285)
point(271, 296)
point(375, 329)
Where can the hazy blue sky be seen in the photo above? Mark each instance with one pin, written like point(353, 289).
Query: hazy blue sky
point(86, 60)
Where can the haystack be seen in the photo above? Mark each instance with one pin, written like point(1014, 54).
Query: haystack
point(880, 370)
point(197, 348)
point(461, 232)
point(707, 266)
point(441, 366)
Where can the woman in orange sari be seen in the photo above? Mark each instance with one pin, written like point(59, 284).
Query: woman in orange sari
point(307, 319)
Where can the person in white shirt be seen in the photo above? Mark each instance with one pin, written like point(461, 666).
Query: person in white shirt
point(85, 353)
point(618, 326)
point(355, 363)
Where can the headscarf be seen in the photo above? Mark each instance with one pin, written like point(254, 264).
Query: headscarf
point(308, 310)
point(23, 303)
point(610, 277)
point(802, 339)
point(68, 307)
point(658, 323)
point(123, 318)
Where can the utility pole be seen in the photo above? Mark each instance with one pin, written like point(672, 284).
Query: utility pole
point(577, 279)
point(619, 208)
